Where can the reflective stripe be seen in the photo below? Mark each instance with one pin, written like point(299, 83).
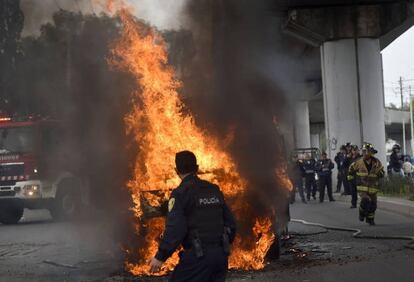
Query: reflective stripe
point(362, 174)
point(369, 190)
point(350, 177)
point(362, 189)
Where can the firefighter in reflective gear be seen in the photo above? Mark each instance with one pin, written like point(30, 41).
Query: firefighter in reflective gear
point(200, 221)
point(324, 168)
point(308, 171)
point(366, 172)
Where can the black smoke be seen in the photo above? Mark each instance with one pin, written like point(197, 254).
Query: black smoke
point(244, 76)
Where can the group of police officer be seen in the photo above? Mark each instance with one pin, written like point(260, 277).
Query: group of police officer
point(303, 172)
point(357, 173)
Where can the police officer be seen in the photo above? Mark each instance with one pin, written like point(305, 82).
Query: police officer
point(345, 167)
point(339, 160)
point(200, 221)
point(396, 161)
point(367, 171)
point(324, 168)
point(308, 171)
point(295, 171)
point(355, 155)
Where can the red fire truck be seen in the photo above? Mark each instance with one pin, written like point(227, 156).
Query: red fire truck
point(36, 170)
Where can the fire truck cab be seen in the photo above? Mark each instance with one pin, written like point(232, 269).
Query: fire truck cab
point(35, 171)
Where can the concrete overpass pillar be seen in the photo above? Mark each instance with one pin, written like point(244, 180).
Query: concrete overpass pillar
point(302, 125)
point(353, 93)
point(351, 37)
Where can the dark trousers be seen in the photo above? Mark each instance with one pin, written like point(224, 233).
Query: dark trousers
point(368, 206)
point(354, 193)
point(310, 185)
point(298, 186)
point(347, 186)
point(212, 267)
point(325, 181)
point(340, 179)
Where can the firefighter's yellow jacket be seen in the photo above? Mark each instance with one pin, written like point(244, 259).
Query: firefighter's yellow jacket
point(366, 181)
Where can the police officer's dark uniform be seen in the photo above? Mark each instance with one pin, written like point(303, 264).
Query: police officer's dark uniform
point(324, 169)
point(339, 160)
point(396, 161)
point(295, 174)
point(352, 183)
point(200, 221)
point(345, 168)
point(308, 170)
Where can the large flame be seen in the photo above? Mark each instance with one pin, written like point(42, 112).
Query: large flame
point(160, 129)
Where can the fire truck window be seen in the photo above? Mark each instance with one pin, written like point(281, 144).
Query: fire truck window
point(16, 140)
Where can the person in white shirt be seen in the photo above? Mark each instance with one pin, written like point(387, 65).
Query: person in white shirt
point(407, 167)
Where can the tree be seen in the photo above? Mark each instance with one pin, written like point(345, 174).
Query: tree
point(11, 25)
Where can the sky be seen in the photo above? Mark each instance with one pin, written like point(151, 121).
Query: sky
point(398, 60)
point(164, 14)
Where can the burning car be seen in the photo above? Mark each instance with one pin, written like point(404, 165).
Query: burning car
point(34, 170)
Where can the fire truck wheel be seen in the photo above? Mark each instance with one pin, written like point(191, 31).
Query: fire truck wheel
point(67, 203)
point(10, 214)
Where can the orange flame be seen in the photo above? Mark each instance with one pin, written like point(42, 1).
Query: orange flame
point(161, 129)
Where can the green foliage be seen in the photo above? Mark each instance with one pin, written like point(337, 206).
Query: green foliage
point(397, 186)
point(64, 74)
point(11, 25)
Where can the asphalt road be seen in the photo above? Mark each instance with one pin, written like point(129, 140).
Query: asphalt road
point(38, 249)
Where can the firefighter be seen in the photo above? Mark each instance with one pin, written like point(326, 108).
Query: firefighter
point(200, 221)
point(355, 155)
point(339, 160)
point(296, 177)
point(366, 172)
point(324, 168)
point(308, 172)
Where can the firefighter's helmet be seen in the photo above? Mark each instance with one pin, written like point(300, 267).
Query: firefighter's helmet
point(369, 148)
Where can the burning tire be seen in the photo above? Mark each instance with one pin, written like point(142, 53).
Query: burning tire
point(10, 214)
point(67, 203)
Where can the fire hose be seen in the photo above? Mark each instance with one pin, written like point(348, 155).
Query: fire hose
point(357, 233)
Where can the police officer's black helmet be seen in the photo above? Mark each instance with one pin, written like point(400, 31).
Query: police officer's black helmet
point(186, 162)
point(396, 147)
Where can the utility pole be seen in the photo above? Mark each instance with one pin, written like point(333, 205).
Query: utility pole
point(411, 121)
point(401, 93)
point(402, 109)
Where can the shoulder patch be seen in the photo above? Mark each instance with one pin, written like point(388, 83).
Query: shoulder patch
point(171, 203)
